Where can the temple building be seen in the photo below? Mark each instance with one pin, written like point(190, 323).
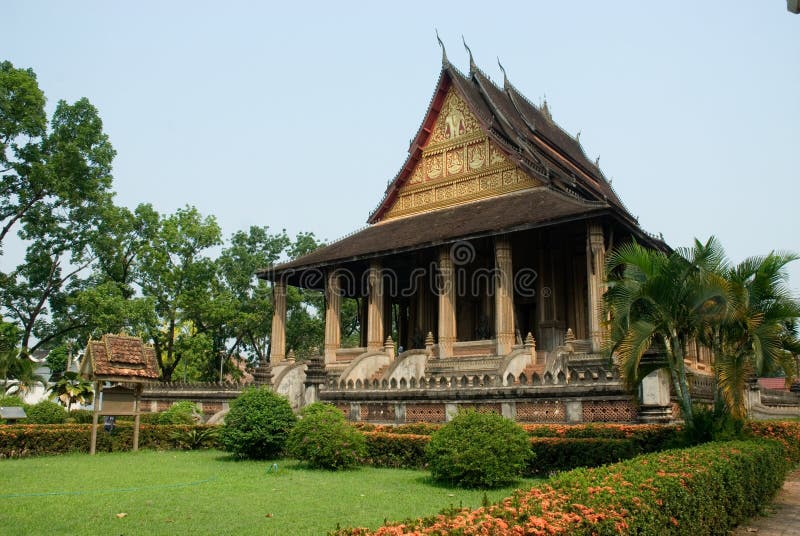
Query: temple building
point(479, 276)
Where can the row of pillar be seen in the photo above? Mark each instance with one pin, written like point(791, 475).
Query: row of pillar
point(503, 295)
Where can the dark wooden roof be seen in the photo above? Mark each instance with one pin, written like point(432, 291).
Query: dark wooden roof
point(119, 358)
point(538, 207)
point(526, 132)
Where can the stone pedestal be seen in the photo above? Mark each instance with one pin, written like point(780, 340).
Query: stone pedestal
point(654, 396)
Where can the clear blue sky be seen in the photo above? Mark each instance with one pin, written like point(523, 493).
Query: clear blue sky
point(268, 114)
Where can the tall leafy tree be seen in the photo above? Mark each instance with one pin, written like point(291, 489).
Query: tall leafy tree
point(109, 300)
point(56, 182)
point(663, 299)
point(176, 273)
point(22, 123)
point(251, 298)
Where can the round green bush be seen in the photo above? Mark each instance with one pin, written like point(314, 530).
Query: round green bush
point(45, 412)
point(81, 416)
point(11, 401)
point(325, 440)
point(476, 450)
point(257, 425)
point(182, 412)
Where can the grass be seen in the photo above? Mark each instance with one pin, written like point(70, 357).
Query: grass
point(206, 492)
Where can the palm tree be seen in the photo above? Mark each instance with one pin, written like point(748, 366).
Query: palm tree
point(662, 299)
point(71, 387)
point(757, 334)
point(19, 372)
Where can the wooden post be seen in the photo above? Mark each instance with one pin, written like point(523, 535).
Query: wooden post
point(98, 391)
point(136, 419)
point(503, 295)
point(278, 338)
point(447, 303)
point(596, 261)
point(333, 306)
point(375, 338)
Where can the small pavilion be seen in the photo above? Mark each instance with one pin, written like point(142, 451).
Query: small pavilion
point(127, 363)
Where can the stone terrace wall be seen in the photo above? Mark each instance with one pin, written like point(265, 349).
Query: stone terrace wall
point(590, 395)
point(211, 397)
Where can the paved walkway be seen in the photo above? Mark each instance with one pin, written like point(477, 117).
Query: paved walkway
point(784, 513)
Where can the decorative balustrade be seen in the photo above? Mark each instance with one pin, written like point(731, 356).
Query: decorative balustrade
point(701, 386)
point(586, 377)
point(773, 397)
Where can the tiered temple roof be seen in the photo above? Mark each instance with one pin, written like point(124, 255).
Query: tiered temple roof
point(547, 178)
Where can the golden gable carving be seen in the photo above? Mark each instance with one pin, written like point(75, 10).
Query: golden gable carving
point(459, 164)
point(454, 121)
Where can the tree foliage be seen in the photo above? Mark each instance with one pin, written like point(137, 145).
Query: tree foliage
point(56, 181)
point(71, 388)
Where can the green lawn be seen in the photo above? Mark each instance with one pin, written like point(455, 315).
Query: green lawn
point(205, 492)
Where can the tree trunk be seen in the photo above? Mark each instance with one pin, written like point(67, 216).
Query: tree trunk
point(686, 397)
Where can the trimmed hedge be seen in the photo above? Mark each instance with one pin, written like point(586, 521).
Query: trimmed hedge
point(22, 440)
point(565, 453)
point(702, 490)
point(787, 433)
point(407, 451)
point(400, 451)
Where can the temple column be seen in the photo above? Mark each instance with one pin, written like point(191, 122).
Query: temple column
point(503, 295)
point(375, 307)
point(333, 307)
point(447, 303)
point(278, 339)
point(423, 315)
point(596, 264)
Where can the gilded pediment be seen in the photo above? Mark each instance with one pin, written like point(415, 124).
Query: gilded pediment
point(459, 164)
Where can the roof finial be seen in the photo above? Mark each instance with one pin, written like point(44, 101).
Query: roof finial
point(546, 109)
point(505, 78)
point(597, 161)
point(578, 136)
point(472, 66)
point(444, 52)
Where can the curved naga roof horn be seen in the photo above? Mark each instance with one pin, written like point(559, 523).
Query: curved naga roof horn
point(472, 66)
point(444, 52)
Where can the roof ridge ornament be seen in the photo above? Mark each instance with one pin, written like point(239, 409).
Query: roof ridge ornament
point(472, 67)
point(546, 109)
point(445, 61)
point(506, 83)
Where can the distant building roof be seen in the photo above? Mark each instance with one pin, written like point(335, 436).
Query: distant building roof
point(773, 383)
